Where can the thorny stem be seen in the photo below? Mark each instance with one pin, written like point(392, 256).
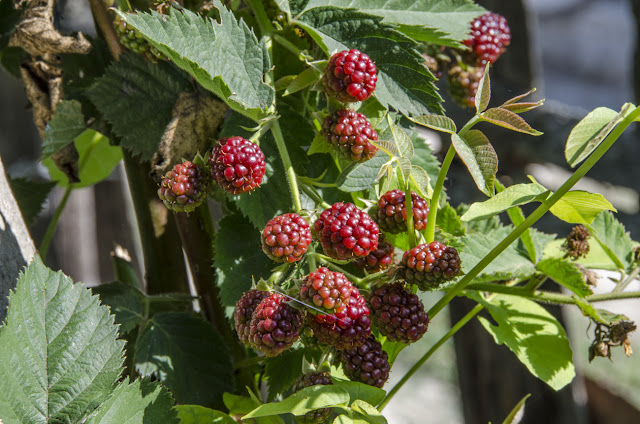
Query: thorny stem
point(292, 179)
point(536, 214)
point(51, 229)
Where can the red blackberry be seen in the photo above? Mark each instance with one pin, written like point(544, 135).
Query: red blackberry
point(286, 238)
point(243, 312)
point(367, 363)
point(350, 133)
point(346, 329)
point(391, 213)
point(490, 35)
point(345, 232)
point(398, 313)
point(184, 187)
point(429, 265)
point(237, 165)
point(378, 260)
point(309, 379)
point(350, 76)
point(463, 84)
point(275, 325)
point(327, 290)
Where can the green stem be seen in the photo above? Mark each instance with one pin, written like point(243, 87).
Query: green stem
point(433, 206)
point(286, 44)
point(624, 283)
point(51, 229)
point(264, 23)
point(464, 320)
point(606, 248)
point(536, 214)
point(408, 202)
point(292, 179)
point(314, 196)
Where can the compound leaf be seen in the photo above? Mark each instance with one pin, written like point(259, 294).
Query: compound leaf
point(580, 207)
point(515, 195)
point(303, 401)
point(565, 272)
point(481, 159)
point(507, 119)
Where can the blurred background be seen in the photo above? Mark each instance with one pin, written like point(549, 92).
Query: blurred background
point(580, 54)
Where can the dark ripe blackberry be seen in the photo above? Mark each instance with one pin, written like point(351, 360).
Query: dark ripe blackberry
point(398, 313)
point(286, 238)
point(237, 165)
point(346, 232)
point(309, 379)
point(275, 325)
point(350, 76)
point(243, 313)
point(346, 329)
point(350, 133)
point(490, 35)
point(367, 363)
point(378, 260)
point(391, 213)
point(463, 84)
point(184, 187)
point(327, 290)
point(430, 265)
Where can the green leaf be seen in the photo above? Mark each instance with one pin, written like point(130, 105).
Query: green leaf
point(565, 272)
point(507, 119)
point(404, 83)
point(283, 370)
point(303, 401)
point(515, 195)
point(196, 414)
point(368, 412)
point(140, 402)
point(517, 413)
point(580, 207)
point(448, 221)
point(481, 159)
point(425, 159)
point(125, 302)
point(609, 231)
point(241, 405)
point(590, 132)
point(436, 122)
point(236, 264)
point(483, 94)
point(67, 124)
point(402, 140)
point(345, 419)
point(599, 315)
point(517, 217)
point(30, 196)
point(421, 181)
point(303, 80)
point(364, 392)
point(223, 55)
point(137, 97)
point(177, 349)
point(534, 335)
point(443, 22)
point(319, 145)
point(59, 357)
point(361, 176)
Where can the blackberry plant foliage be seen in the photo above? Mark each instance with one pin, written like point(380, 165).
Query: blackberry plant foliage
point(298, 122)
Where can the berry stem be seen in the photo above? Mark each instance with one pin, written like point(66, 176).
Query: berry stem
point(292, 179)
point(51, 229)
point(464, 320)
point(536, 214)
point(433, 205)
point(408, 201)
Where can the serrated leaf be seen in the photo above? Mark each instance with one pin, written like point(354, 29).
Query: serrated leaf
point(507, 119)
point(449, 221)
point(580, 207)
point(421, 180)
point(387, 146)
point(404, 83)
point(368, 412)
point(435, 122)
point(483, 94)
point(612, 234)
point(196, 414)
point(590, 132)
point(361, 176)
point(30, 196)
point(236, 265)
point(198, 44)
point(402, 140)
point(534, 335)
point(176, 348)
point(481, 159)
point(404, 165)
point(319, 145)
point(357, 390)
point(67, 124)
point(59, 357)
point(140, 402)
point(151, 90)
point(125, 302)
point(283, 370)
point(425, 159)
point(565, 272)
point(517, 413)
point(303, 401)
point(434, 21)
point(303, 80)
point(515, 195)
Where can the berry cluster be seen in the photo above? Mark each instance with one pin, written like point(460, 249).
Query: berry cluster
point(350, 76)
point(391, 213)
point(237, 165)
point(309, 379)
point(490, 35)
point(367, 363)
point(184, 187)
point(326, 289)
point(398, 313)
point(275, 325)
point(350, 134)
point(286, 238)
point(463, 84)
point(430, 265)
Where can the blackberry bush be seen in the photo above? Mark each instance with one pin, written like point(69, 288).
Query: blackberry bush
point(275, 325)
point(398, 314)
point(184, 187)
point(350, 76)
point(391, 213)
point(430, 265)
point(286, 238)
point(237, 165)
point(350, 134)
point(367, 363)
point(326, 289)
